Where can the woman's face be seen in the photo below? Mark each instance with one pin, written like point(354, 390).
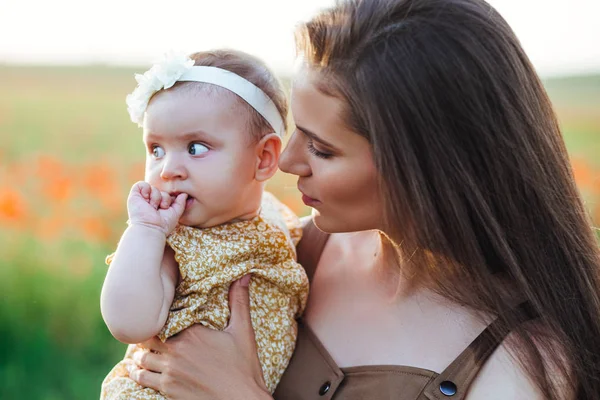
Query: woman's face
point(335, 167)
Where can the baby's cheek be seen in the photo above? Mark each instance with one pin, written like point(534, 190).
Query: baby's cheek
point(227, 191)
point(151, 171)
point(151, 176)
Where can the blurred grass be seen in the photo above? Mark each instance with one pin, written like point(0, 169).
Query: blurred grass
point(577, 101)
point(69, 155)
point(54, 345)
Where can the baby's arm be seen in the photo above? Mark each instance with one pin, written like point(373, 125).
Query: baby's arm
point(140, 283)
point(139, 286)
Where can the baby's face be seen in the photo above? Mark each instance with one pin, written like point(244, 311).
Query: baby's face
point(198, 143)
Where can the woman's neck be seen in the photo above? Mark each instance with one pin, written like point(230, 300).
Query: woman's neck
point(376, 261)
point(380, 263)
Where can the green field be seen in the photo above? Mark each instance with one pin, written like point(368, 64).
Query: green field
point(69, 155)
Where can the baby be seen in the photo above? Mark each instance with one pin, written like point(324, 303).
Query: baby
point(212, 126)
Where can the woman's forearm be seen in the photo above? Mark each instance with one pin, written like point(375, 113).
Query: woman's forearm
point(136, 294)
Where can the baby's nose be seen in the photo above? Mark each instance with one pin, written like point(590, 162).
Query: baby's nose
point(173, 168)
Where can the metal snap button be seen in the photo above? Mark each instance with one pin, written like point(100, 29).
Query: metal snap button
point(448, 388)
point(324, 388)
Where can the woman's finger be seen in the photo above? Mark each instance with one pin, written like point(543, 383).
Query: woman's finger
point(155, 344)
point(146, 378)
point(239, 304)
point(240, 324)
point(148, 360)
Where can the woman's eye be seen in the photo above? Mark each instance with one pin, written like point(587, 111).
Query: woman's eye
point(197, 148)
point(158, 151)
point(313, 150)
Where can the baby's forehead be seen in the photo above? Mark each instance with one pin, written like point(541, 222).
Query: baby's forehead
point(195, 103)
point(173, 113)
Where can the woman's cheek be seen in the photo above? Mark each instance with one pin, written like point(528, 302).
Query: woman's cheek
point(335, 181)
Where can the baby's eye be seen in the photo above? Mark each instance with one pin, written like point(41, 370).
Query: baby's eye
point(197, 148)
point(158, 151)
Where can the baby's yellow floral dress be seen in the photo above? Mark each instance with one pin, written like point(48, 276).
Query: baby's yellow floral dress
point(209, 261)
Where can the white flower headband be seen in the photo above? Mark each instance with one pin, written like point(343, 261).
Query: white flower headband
point(176, 68)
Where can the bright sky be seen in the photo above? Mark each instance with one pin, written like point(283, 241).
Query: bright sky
point(560, 36)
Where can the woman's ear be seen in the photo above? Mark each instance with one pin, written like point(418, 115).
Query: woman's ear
point(268, 150)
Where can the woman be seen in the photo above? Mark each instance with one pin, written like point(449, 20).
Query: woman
point(461, 262)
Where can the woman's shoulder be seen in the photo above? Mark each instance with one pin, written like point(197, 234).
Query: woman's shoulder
point(504, 377)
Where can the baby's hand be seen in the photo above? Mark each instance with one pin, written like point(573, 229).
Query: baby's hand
point(149, 206)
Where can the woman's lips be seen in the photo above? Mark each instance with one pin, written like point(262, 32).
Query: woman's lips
point(309, 201)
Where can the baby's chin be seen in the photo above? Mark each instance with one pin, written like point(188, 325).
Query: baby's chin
point(201, 223)
point(209, 221)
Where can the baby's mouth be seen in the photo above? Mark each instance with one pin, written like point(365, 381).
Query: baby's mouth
point(188, 201)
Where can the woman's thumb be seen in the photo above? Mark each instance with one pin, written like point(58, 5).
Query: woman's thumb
point(239, 304)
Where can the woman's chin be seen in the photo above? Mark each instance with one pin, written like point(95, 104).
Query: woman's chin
point(324, 224)
point(338, 224)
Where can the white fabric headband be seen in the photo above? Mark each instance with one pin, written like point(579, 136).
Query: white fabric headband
point(181, 68)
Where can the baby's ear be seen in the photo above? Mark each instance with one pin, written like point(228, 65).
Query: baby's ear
point(267, 156)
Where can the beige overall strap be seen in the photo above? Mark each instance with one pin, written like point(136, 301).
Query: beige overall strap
point(311, 246)
point(454, 382)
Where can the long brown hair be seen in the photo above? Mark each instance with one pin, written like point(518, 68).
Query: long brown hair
point(474, 170)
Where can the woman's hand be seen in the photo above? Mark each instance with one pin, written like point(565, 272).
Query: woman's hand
point(201, 363)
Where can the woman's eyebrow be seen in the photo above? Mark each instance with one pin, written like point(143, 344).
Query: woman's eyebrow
point(315, 137)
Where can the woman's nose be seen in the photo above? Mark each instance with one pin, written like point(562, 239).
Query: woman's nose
point(173, 168)
point(293, 158)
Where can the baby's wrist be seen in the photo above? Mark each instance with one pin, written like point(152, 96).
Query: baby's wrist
point(147, 228)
